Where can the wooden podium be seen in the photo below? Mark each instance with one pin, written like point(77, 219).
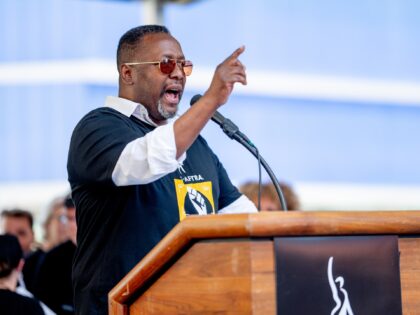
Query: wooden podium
point(224, 264)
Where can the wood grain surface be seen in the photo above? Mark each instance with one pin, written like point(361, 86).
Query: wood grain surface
point(410, 274)
point(252, 257)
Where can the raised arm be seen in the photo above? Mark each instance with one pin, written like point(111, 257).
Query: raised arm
point(189, 125)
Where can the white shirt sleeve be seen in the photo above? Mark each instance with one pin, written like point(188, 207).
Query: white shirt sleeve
point(148, 158)
point(240, 205)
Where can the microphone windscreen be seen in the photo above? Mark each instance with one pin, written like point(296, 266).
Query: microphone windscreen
point(194, 99)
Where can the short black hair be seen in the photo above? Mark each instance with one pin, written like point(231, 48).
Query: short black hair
point(19, 213)
point(129, 41)
point(10, 254)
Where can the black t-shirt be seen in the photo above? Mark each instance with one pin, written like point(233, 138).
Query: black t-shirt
point(117, 226)
point(54, 283)
point(12, 303)
point(31, 269)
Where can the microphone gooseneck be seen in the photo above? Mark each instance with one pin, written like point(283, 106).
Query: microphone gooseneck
point(232, 131)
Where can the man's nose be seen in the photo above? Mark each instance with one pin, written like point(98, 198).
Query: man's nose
point(178, 71)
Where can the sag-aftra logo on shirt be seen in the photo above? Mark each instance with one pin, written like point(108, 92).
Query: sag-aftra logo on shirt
point(194, 198)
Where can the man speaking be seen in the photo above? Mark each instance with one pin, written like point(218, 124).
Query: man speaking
point(134, 175)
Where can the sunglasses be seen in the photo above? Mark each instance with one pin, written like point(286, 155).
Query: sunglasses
point(167, 65)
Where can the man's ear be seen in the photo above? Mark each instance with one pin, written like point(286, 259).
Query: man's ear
point(32, 236)
point(126, 74)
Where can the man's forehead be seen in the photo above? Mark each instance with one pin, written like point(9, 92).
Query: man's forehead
point(160, 44)
point(16, 221)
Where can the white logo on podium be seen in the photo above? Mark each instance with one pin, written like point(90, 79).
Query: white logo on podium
point(343, 306)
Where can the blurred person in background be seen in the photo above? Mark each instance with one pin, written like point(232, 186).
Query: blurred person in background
point(55, 225)
point(11, 263)
point(19, 223)
point(54, 286)
point(269, 198)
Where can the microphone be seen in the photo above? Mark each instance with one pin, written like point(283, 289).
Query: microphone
point(233, 132)
point(226, 124)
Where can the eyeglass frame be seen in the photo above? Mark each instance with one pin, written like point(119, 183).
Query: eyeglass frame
point(177, 62)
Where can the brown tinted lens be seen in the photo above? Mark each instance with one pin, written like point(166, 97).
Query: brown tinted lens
point(187, 66)
point(167, 66)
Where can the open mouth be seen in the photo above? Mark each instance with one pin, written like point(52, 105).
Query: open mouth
point(172, 95)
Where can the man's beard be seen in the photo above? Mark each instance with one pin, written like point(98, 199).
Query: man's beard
point(164, 113)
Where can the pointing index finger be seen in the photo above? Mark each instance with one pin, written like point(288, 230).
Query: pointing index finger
point(237, 52)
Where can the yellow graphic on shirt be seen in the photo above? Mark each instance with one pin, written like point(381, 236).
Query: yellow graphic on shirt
point(199, 197)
